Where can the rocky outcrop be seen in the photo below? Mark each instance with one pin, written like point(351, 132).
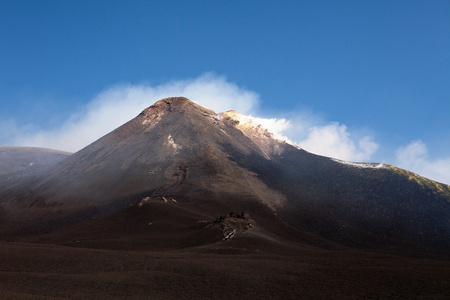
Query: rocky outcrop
point(232, 224)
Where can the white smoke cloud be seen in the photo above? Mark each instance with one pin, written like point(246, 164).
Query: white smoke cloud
point(275, 126)
point(334, 140)
point(414, 157)
point(118, 104)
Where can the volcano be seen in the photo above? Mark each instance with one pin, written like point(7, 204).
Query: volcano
point(179, 175)
point(182, 203)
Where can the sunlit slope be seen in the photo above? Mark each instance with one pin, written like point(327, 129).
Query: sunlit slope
point(438, 188)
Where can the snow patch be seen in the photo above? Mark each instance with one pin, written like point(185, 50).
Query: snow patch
point(361, 165)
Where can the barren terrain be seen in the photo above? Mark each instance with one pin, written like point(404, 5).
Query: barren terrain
point(38, 271)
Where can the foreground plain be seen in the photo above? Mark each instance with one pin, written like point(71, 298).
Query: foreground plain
point(40, 271)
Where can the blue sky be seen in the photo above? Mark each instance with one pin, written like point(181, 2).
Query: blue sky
point(357, 80)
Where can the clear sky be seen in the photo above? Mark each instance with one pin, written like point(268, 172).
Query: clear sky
point(357, 80)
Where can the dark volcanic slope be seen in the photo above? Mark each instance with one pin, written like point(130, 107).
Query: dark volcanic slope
point(177, 167)
point(174, 148)
point(14, 159)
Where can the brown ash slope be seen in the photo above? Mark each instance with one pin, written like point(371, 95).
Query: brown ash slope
point(182, 166)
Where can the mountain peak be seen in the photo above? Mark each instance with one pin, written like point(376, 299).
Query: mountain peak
point(168, 104)
point(268, 141)
point(173, 101)
point(175, 104)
